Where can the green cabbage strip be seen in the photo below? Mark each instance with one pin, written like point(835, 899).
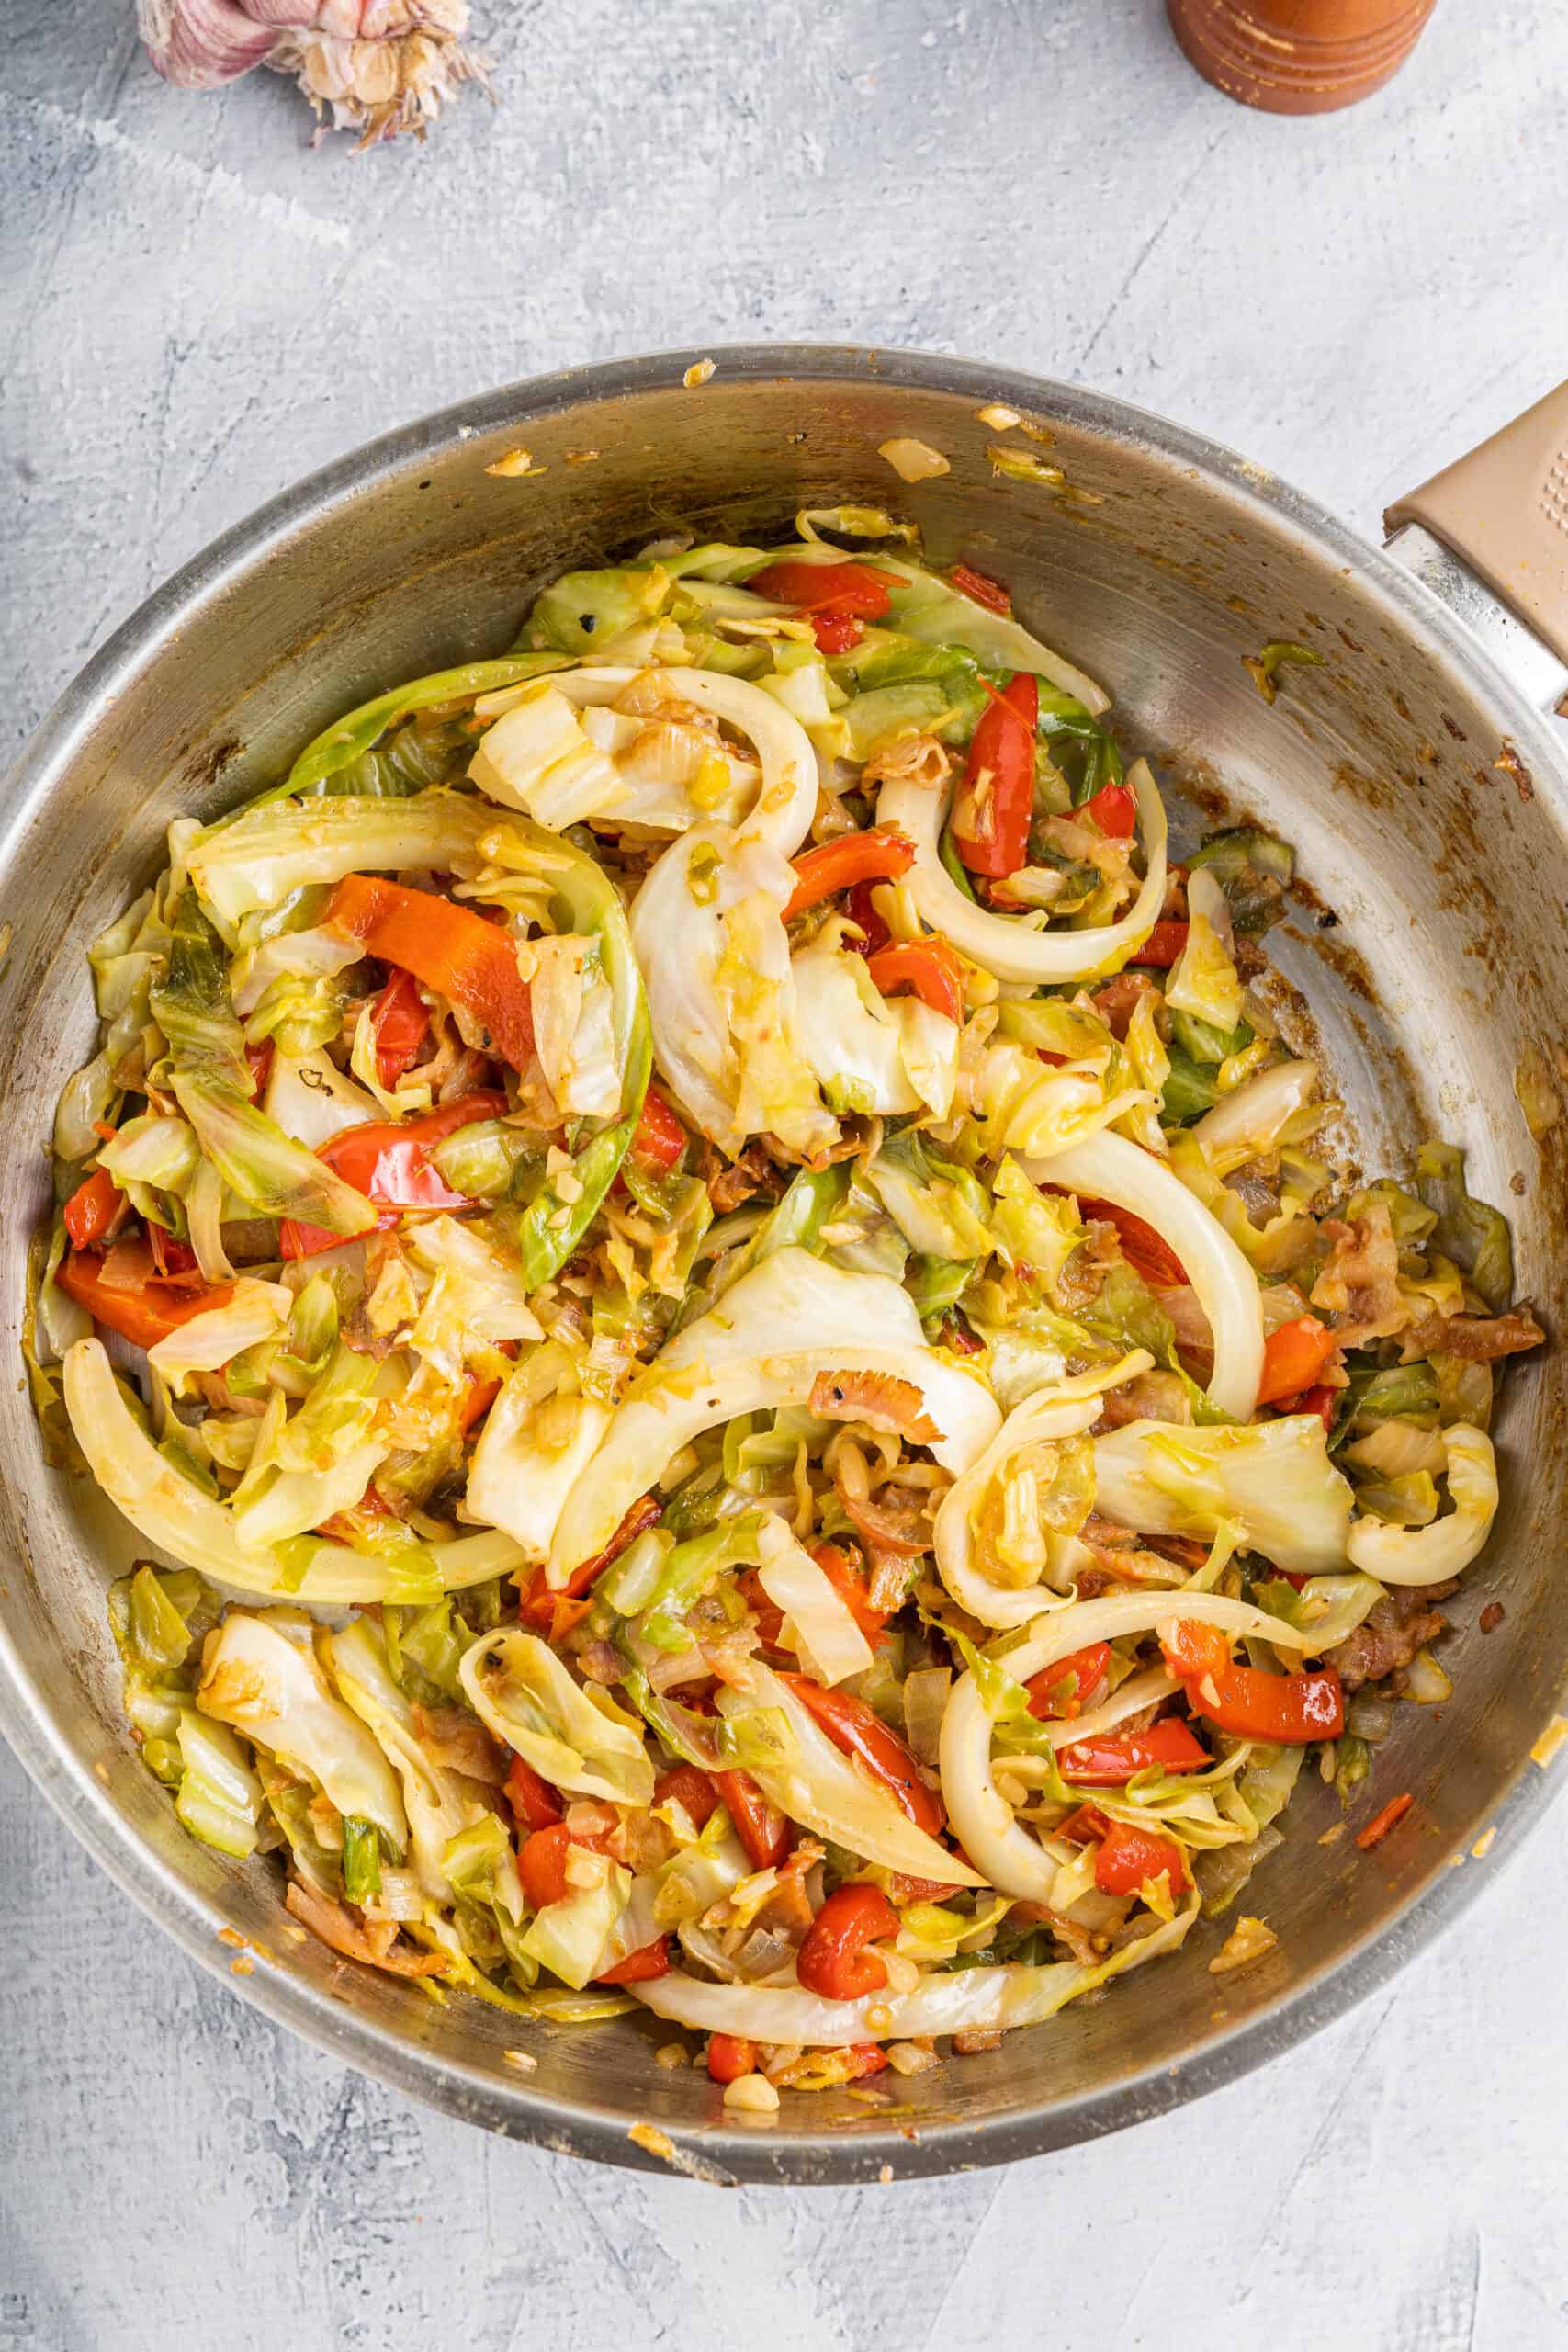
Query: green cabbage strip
point(269, 1171)
point(587, 901)
point(347, 740)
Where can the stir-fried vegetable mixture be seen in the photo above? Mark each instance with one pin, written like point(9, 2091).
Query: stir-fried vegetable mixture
point(718, 1284)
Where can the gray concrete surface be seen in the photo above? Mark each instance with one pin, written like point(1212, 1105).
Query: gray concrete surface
point(197, 309)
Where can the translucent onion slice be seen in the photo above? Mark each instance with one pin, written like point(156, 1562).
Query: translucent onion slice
point(200, 1532)
point(1065, 1411)
point(787, 799)
point(967, 2000)
point(1418, 1555)
point(1108, 1167)
point(1002, 943)
point(1011, 1858)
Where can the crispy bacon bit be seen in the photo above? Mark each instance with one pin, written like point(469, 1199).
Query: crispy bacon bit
point(1388, 1637)
point(1152, 1396)
point(1474, 1339)
point(879, 1398)
point(375, 1942)
point(1491, 1617)
point(899, 1531)
point(1359, 1287)
point(452, 1736)
point(974, 2042)
point(753, 1172)
point(1117, 1000)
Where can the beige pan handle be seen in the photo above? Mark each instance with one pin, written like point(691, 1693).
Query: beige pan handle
point(1503, 510)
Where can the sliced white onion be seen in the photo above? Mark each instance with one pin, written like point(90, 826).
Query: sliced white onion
point(1418, 1555)
point(1111, 1169)
point(1011, 1858)
point(787, 800)
point(1248, 1121)
point(1139, 1691)
point(999, 943)
point(1065, 1411)
point(963, 2000)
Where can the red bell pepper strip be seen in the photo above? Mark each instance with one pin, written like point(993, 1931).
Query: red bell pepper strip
point(692, 1790)
point(855, 588)
point(994, 806)
point(861, 913)
point(123, 1292)
point(1287, 1709)
point(541, 1862)
point(1063, 1689)
point(1191, 1648)
point(399, 1024)
point(761, 1826)
point(837, 632)
point(388, 1161)
point(1116, 1755)
point(730, 2056)
point(536, 1802)
point(930, 968)
point(982, 588)
point(651, 1960)
point(1321, 1401)
point(834, 1563)
point(540, 1601)
point(1377, 1830)
point(448, 947)
point(1114, 809)
point(94, 1210)
point(1295, 1357)
point(873, 856)
point(173, 1261)
point(1129, 1859)
point(857, 1730)
point(833, 1960)
point(660, 1138)
point(1163, 945)
point(1146, 1251)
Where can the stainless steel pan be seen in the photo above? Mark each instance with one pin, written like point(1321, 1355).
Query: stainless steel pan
point(1427, 796)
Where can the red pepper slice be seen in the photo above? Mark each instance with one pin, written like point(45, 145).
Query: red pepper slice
point(123, 1292)
point(399, 1024)
point(761, 1826)
point(1114, 809)
point(836, 1566)
point(981, 587)
point(692, 1790)
point(861, 913)
point(175, 1263)
point(833, 1960)
point(991, 826)
point(1163, 945)
point(536, 1802)
point(1288, 1708)
point(660, 1138)
point(541, 1862)
point(837, 632)
point(95, 1208)
point(540, 1602)
point(1295, 1357)
point(856, 1730)
point(873, 856)
point(1190, 1648)
point(448, 947)
point(1321, 1401)
point(1146, 1251)
point(730, 2056)
point(389, 1163)
point(1063, 1688)
point(652, 1960)
point(930, 967)
point(855, 588)
point(1129, 1859)
point(1116, 1755)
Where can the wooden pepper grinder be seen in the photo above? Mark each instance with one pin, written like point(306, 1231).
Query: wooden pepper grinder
point(1298, 56)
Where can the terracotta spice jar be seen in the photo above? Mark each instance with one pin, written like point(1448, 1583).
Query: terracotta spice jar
point(1298, 56)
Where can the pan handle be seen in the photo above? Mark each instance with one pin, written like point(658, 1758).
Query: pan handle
point(1502, 512)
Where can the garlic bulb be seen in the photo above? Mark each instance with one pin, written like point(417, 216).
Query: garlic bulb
point(379, 66)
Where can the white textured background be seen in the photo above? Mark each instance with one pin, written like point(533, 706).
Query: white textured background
point(195, 309)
